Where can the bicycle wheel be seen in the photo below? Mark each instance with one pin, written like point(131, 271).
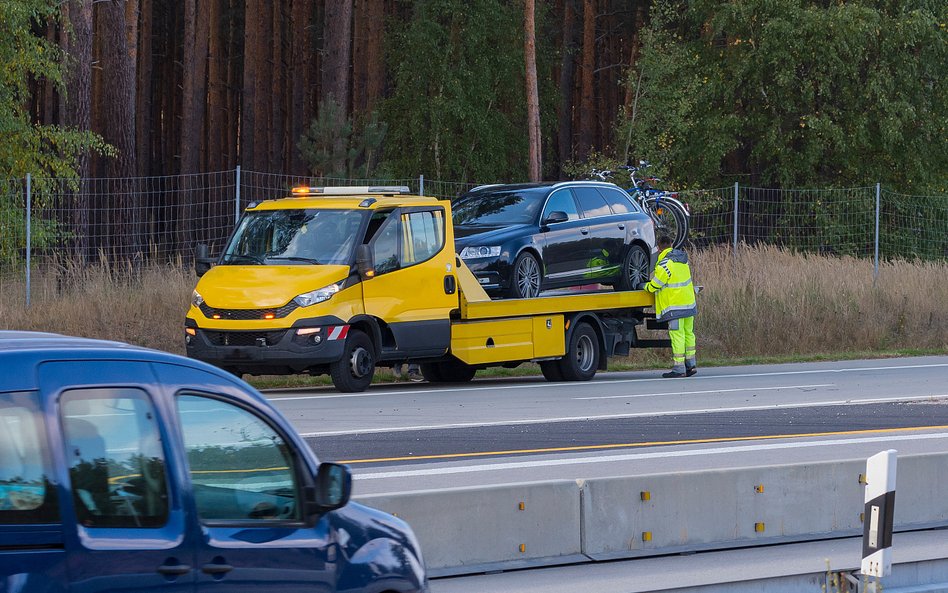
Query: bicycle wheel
point(670, 217)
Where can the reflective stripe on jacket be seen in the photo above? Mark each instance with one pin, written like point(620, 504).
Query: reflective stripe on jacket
point(671, 283)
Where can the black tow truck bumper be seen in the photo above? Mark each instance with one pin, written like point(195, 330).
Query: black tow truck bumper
point(309, 346)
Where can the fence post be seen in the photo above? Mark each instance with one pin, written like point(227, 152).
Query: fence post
point(735, 219)
point(29, 208)
point(875, 270)
point(421, 185)
point(237, 195)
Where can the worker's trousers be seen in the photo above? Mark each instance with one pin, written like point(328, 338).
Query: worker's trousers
point(682, 334)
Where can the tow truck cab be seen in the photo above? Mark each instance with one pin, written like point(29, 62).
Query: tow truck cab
point(341, 280)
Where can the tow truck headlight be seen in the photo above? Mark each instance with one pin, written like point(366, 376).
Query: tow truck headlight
point(316, 296)
point(196, 299)
point(480, 251)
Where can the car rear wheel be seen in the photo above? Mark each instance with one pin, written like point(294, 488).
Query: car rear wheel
point(525, 281)
point(354, 371)
point(635, 268)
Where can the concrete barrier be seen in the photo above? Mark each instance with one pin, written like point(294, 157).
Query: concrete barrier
point(468, 530)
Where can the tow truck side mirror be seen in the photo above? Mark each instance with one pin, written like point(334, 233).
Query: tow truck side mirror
point(364, 262)
point(202, 262)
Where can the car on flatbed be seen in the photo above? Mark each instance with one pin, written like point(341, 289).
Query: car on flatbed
point(342, 280)
point(124, 469)
point(521, 239)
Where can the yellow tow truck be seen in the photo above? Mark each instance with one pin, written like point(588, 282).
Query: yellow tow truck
point(341, 280)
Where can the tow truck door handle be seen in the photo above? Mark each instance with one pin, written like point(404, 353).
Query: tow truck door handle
point(450, 285)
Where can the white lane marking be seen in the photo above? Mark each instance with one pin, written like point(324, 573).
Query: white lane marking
point(927, 397)
point(547, 385)
point(706, 391)
point(440, 471)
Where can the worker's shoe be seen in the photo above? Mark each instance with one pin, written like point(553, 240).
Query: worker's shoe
point(414, 375)
point(691, 371)
point(673, 375)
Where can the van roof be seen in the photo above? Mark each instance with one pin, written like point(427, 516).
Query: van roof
point(24, 351)
point(359, 202)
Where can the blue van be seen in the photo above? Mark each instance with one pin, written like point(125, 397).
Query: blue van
point(126, 469)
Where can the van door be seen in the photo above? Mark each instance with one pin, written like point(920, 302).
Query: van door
point(246, 483)
point(124, 520)
point(415, 286)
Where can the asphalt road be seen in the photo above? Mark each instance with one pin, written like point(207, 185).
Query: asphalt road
point(421, 436)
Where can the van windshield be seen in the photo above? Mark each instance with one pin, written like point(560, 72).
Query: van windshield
point(294, 237)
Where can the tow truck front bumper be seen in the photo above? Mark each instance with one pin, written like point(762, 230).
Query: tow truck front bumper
point(310, 345)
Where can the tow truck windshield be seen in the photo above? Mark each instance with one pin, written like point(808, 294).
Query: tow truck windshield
point(294, 237)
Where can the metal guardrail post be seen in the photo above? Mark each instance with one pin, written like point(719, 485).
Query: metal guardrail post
point(421, 185)
point(735, 218)
point(29, 208)
point(237, 195)
point(875, 270)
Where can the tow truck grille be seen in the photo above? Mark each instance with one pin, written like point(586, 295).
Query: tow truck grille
point(248, 314)
point(244, 338)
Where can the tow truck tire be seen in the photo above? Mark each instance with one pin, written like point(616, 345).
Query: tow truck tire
point(551, 370)
point(354, 371)
point(448, 371)
point(582, 354)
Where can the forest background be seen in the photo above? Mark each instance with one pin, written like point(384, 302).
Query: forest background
point(772, 93)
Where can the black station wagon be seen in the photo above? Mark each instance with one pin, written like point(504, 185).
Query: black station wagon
point(522, 239)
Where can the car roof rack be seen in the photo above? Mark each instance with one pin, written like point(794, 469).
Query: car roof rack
point(351, 190)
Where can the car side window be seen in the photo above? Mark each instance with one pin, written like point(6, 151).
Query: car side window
point(115, 459)
point(425, 236)
point(591, 202)
point(561, 201)
point(618, 201)
point(241, 468)
point(26, 494)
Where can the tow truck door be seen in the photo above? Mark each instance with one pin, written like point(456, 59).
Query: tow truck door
point(415, 286)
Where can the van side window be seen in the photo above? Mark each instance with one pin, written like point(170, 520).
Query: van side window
point(26, 495)
point(241, 468)
point(115, 459)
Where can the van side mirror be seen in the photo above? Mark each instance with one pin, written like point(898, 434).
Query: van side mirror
point(555, 217)
point(365, 263)
point(332, 489)
point(202, 261)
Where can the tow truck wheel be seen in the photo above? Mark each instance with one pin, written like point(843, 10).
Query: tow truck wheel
point(551, 370)
point(448, 371)
point(354, 371)
point(582, 355)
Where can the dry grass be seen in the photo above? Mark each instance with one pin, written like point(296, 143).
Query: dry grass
point(768, 302)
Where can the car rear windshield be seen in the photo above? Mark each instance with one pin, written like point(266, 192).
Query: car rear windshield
point(26, 494)
point(498, 208)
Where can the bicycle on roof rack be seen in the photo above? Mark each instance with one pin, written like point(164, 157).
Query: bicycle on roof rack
point(669, 214)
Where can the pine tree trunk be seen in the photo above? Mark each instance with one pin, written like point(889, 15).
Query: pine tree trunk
point(79, 110)
point(143, 105)
point(216, 86)
point(337, 36)
point(533, 100)
point(567, 70)
point(277, 94)
point(300, 95)
point(587, 113)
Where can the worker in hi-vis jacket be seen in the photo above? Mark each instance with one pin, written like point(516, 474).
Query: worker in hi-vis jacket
point(675, 303)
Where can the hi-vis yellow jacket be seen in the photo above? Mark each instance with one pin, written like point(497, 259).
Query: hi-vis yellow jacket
point(671, 283)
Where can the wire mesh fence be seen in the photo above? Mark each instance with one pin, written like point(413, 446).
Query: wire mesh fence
point(125, 223)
